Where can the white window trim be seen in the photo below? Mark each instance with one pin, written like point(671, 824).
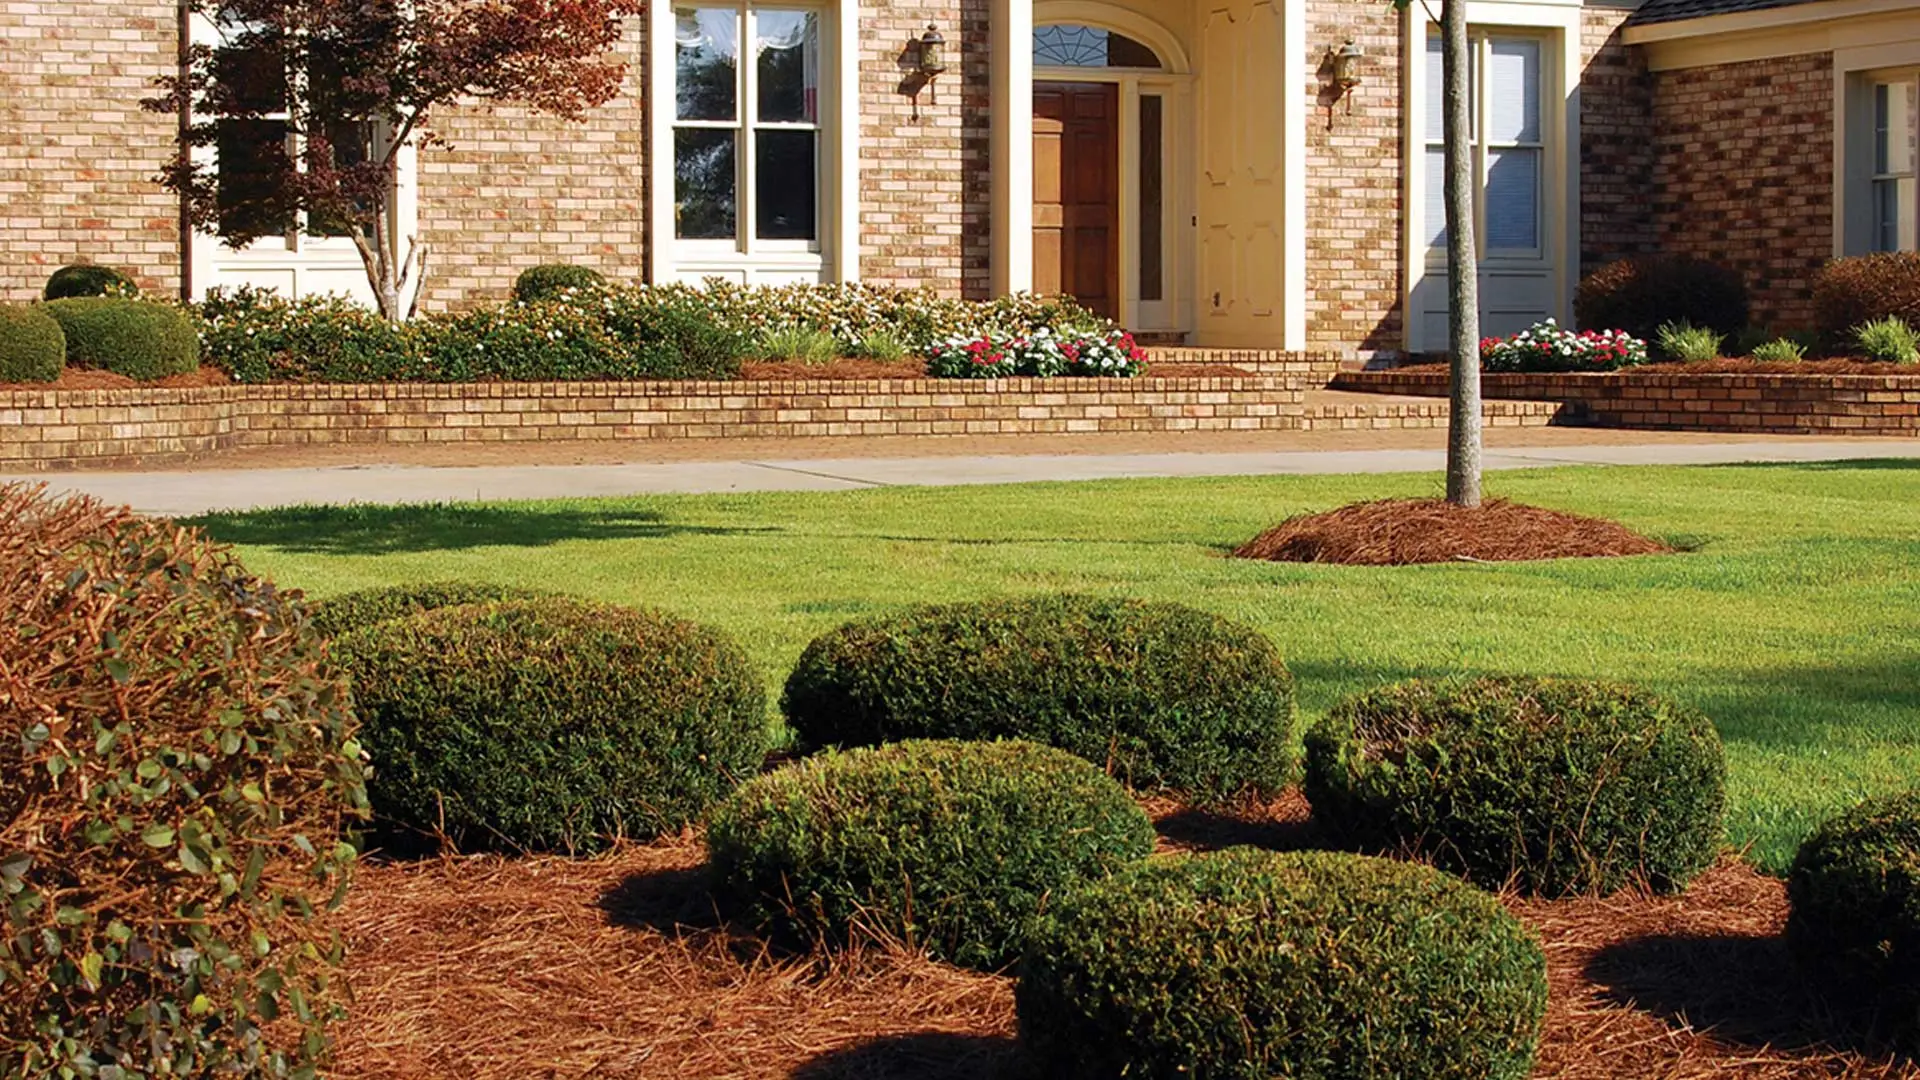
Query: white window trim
point(836, 255)
point(210, 260)
point(1559, 26)
point(1854, 72)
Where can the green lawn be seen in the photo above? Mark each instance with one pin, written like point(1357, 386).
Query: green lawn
point(1795, 622)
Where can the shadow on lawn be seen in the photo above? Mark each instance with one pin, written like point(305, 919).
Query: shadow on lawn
point(385, 530)
point(1745, 989)
point(1746, 704)
point(921, 1055)
point(1841, 464)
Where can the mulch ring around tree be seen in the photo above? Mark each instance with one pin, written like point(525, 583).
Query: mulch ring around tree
point(1401, 532)
point(489, 968)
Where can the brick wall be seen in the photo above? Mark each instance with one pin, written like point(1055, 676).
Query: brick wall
point(1616, 154)
point(77, 154)
point(1354, 233)
point(1876, 405)
point(61, 428)
point(1743, 174)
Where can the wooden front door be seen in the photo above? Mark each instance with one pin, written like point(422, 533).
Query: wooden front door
point(1076, 192)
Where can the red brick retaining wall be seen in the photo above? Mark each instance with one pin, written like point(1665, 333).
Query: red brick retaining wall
point(55, 428)
point(1783, 404)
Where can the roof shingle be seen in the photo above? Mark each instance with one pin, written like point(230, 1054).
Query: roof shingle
point(1659, 11)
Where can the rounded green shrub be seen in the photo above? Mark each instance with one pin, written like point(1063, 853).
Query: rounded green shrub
point(1641, 294)
point(951, 846)
point(551, 724)
point(1855, 889)
point(1161, 695)
point(549, 281)
point(364, 607)
point(32, 346)
point(1862, 289)
point(1559, 786)
point(1246, 965)
point(135, 338)
point(88, 280)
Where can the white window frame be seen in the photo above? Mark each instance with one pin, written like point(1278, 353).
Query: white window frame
point(1558, 24)
point(834, 253)
point(1863, 96)
point(1481, 41)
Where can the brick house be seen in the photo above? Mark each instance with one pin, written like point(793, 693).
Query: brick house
point(1191, 166)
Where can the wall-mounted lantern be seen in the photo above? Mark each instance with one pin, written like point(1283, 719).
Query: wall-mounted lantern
point(925, 59)
point(1344, 63)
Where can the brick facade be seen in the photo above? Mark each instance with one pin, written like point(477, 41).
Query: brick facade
point(1616, 155)
point(77, 153)
point(1743, 175)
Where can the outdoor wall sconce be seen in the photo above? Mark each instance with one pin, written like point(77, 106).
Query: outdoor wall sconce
point(1345, 65)
point(928, 53)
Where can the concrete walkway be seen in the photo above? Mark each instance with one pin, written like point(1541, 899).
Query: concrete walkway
point(197, 491)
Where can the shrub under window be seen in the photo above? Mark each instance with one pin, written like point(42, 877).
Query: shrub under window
point(135, 338)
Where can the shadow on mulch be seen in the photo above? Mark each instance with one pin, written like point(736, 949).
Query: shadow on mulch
point(666, 900)
point(922, 1055)
point(1284, 823)
point(1742, 988)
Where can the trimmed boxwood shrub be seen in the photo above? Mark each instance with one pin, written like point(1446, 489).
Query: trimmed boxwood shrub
point(1161, 695)
point(551, 724)
point(1246, 965)
point(550, 280)
point(88, 280)
point(1855, 888)
point(1641, 294)
point(364, 607)
point(1851, 292)
point(952, 846)
point(180, 773)
point(135, 338)
point(1558, 786)
point(32, 346)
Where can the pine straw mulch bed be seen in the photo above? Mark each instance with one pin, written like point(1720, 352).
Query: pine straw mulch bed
point(490, 968)
point(90, 379)
point(1400, 532)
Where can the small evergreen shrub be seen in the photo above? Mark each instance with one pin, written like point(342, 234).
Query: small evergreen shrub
point(364, 607)
point(551, 724)
point(1861, 289)
point(1855, 889)
point(1247, 965)
point(1780, 351)
point(85, 279)
point(551, 281)
point(1560, 786)
point(259, 336)
point(1888, 341)
point(1639, 294)
point(951, 846)
point(180, 772)
point(1161, 695)
point(799, 345)
point(33, 348)
point(1687, 343)
point(135, 338)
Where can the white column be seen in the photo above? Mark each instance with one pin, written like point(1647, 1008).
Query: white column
point(1011, 64)
point(660, 110)
point(844, 184)
point(1297, 103)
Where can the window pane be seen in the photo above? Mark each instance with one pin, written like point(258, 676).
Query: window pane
point(349, 144)
point(703, 183)
point(257, 77)
point(251, 154)
point(1513, 200)
point(1513, 91)
point(1151, 273)
point(784, 175)
point(1073, 45)
point(706, 63)
point(1435, 208)
point(787, 49)
point(1436, 90)
point(1893, 127)
point(1893, 214)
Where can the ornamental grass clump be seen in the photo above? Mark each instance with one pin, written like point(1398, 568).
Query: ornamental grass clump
point(1779, 351)
point(180, 773)
point(1557, 786)
point(950, 847)
point(1855, 889)
point(551, 725)
point(1041, 354)
point(381, 603)
point(1546, 347)
point(1888, 341)
point(1687, 343)
point(1248, 965)
point(1160, 695)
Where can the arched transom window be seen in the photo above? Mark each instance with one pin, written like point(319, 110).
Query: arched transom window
point(1074, 45)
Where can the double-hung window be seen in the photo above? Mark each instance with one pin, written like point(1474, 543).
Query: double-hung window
point(1509, 146)
point(746, 133)
point(1894, 197)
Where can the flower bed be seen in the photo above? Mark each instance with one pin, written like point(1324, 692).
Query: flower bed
point(1547, 347)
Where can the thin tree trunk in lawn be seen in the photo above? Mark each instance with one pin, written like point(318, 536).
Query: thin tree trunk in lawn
point(1463, 270)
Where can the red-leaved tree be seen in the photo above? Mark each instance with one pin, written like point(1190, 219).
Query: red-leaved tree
point(300, 110)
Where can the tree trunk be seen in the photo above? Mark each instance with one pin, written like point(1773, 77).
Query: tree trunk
point(1463, 269)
